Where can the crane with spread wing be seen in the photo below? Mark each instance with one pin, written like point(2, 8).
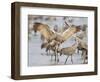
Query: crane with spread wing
point(50, 35)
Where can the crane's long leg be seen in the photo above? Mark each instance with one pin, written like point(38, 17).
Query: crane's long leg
point(66, 59)
point(55, 56)
point(84, 57)
point(71, 59)
point(51, 57)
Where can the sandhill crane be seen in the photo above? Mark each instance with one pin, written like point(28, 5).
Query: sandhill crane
point(82, 46)
point(52, 46)
point(68, 51)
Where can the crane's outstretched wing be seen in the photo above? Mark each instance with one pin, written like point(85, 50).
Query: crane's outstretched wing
point(70, 31)
point(45, 31)
point(50, 35)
